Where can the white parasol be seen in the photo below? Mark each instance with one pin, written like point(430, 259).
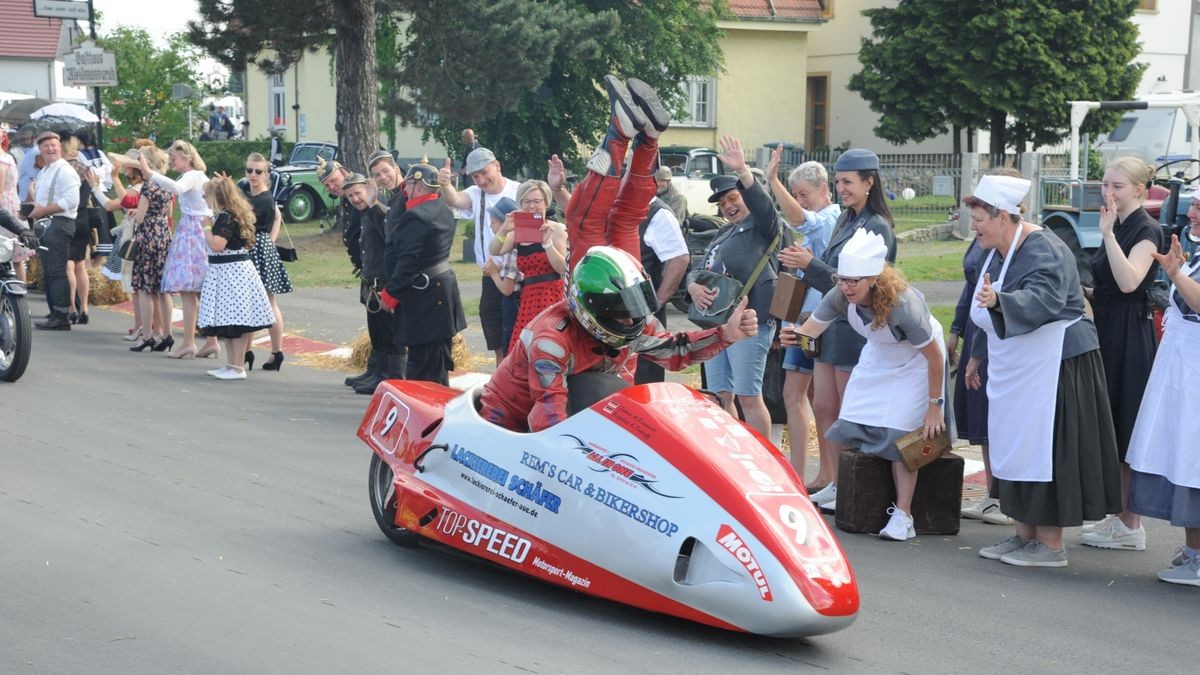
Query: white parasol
point(66, 110)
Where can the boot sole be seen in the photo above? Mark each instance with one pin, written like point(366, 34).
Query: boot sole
point(647, 99)
point(1115, 546)
point(617, 91)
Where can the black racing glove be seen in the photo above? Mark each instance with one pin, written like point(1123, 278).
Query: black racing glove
point(28, 239)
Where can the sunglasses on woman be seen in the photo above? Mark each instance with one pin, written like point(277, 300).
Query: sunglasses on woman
point(255, 171)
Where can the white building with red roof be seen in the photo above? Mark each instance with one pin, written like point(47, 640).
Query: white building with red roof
point(30, 49)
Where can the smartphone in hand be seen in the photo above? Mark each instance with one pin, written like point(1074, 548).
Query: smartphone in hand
point(528, 227)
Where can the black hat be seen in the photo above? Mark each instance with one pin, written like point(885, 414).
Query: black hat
point(720, 185)
point(354, 179)
point(325, 168)
point(423, 173)
point(379, 156)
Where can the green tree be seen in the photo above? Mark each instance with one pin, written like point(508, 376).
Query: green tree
point(1006, 65)
point(236, 32)
point(141, 105)
point(523, 73)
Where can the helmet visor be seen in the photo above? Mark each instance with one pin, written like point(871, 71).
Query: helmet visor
point(635, 302)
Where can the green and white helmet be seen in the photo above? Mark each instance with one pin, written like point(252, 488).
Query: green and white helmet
point(610, 295)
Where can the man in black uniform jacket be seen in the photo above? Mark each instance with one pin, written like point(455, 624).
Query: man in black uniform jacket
point(421, 289)
point(365, 197)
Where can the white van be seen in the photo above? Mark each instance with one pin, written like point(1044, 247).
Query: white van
point(1157, 135)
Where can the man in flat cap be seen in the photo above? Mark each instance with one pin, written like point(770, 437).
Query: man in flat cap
point(57, 197)
point(421, 289)
point(489, 187)
point(671, 194)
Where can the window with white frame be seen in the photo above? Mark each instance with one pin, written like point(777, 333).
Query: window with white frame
point(701, 96)
point(277, 101)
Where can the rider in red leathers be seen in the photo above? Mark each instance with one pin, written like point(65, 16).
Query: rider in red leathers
point(605, 323)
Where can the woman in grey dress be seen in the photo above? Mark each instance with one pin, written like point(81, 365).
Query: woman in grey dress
point(899, 383)
point(1053, 449)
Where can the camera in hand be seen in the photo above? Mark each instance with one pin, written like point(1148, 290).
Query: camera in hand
point(528, 227)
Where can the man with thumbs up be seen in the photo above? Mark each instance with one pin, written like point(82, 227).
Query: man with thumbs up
point(473, 203)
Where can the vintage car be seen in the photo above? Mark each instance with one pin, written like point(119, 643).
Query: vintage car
point(299, 194)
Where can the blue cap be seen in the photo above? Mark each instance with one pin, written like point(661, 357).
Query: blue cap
point(857, 159)
point(720, 185)
point(500, 210)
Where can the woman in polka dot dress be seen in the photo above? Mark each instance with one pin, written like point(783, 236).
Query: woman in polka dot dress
point(541, 265)
point(233, 302)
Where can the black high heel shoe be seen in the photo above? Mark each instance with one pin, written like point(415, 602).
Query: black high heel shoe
point(148, 342)
point(165, 344)
point(276, 362)
point(249, 360)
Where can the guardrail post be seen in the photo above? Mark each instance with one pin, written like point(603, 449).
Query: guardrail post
point(1031, 169)
point(966, 186)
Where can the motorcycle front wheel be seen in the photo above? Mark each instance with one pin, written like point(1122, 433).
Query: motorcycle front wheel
point(382, 491)
point(16, 337)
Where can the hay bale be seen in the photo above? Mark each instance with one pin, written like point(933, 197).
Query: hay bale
point(104, 291)
point(360, 350)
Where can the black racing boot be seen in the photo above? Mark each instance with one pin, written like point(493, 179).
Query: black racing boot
point(356, 380)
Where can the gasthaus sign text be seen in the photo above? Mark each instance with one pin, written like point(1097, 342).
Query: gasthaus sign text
point(89, 66)
point(60, 9)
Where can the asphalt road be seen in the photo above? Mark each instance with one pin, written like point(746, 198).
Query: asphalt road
point(156, 520)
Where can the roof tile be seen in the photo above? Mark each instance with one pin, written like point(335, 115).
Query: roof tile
point(24, 35)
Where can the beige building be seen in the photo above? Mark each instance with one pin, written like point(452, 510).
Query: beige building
point(759, 98)
point(299, 104)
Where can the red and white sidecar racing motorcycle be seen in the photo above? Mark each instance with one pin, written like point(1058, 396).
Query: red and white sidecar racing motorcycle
point(653, 497)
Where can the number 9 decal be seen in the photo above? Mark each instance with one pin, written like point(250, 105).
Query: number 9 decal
point(389, 421)
point(793, 519)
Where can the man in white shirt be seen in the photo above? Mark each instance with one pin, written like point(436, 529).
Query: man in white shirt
point(57, 197)
point(473, 203)
point(665, 258)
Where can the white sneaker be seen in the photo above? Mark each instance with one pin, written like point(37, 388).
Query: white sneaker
point(824, 494)
point(214, 372)
point(231, 374)
point(987, 510)
point(1107, 522)
point(899, 527)
point(826, 499)
point(1111, 533)
point(975, 509)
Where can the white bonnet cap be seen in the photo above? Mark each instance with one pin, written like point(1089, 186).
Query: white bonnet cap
point(1003, 192)
point(863, 256)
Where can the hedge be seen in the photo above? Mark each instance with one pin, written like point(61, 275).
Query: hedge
point(230, 156)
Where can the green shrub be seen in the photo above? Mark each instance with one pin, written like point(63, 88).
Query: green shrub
point(229, 156)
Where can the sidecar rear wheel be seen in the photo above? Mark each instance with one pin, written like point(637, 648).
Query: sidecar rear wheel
point(383, 504)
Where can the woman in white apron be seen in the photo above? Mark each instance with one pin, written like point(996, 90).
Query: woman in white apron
point(1164, 456)
point(1053, 449)
point(899, 383)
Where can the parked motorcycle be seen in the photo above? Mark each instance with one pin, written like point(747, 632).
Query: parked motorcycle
point(16, 331)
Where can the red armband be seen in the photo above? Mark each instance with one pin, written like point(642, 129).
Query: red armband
point(387, 300)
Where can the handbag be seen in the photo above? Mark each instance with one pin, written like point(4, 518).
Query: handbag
point(730, 291)
point(917, 451)
point(287, 253)
point(788, 299)
point(128, 249)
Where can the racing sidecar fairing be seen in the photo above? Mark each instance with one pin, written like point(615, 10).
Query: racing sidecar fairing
point(653, 497)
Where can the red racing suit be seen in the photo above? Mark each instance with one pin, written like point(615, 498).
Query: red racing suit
point(606, 210)
point(528, 391)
